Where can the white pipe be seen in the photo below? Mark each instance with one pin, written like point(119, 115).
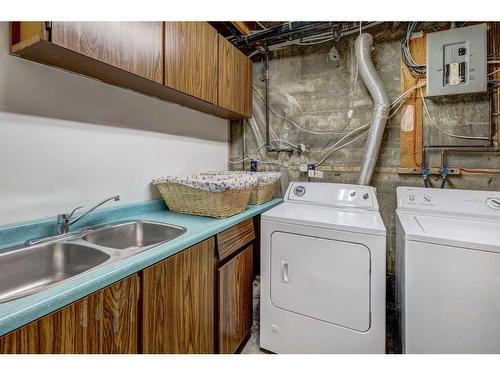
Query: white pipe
point(252, 121)
point(381, 104)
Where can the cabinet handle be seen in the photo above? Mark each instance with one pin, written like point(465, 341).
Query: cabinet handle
point(284, 271)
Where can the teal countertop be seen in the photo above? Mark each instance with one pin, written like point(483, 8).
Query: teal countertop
point(16, 313)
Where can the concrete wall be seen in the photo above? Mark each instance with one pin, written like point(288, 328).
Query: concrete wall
point(322, 88)
point(67, 140)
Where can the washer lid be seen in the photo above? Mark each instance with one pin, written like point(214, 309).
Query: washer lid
point(360, 221)
point(452, 231)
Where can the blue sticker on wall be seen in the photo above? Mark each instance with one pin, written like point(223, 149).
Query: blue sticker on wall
point(253, 165)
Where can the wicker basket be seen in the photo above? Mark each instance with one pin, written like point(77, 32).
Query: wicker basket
point(263, 191)
point(261, 194)
point(197, 201)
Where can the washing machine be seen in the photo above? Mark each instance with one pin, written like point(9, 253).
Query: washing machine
point(323, 256)
point(448, 270)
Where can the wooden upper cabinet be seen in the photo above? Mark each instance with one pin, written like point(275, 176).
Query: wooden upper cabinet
point(183, 62)
point(135, 47)
point(235, 79)
point(191, 59)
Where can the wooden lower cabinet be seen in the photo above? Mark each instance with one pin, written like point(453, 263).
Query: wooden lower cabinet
point(178, 302)
point(104, 322)
point(197, 301)
point(235, 280)
point(235, 238)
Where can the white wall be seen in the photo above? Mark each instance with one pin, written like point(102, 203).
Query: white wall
point(67, 140)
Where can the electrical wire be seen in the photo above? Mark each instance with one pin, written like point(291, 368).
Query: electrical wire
point(400, 99)
point(398, 102)
point(252, 157)
point(362, 127)
point(394, 108)
point(342, 146)
point(316, 132)
point(416, 69)
point(426, 109)
point(493, 72)
point(312, 43)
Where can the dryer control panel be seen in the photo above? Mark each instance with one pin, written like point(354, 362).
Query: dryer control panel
point(453, 201)
point(331, 194)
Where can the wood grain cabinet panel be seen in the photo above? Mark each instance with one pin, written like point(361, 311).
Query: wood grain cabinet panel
point(178, 302)
point(104, 322)
point(234, 238)
point(22, 341)
point(235, 79)
point(136, 47)
point(191, 59)
point(184, 62)
point(235, 280)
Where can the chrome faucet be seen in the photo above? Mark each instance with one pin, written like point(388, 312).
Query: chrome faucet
point(64, 220)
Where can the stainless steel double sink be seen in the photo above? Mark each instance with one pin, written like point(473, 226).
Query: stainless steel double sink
point(32, 269)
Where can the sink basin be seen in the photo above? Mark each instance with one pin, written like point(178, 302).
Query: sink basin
point(30, 270)
point(133, 235)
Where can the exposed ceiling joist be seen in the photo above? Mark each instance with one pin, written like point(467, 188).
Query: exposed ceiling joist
point(242, 27)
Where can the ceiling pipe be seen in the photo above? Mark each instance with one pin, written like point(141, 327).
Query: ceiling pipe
point(269, 148)
point(275, 31)
point(381, 104)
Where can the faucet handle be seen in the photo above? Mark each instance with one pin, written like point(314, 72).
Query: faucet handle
point(63, 221)
point(68, 216)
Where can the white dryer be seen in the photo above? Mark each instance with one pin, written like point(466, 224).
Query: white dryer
point(323, 271)
point(448, 270)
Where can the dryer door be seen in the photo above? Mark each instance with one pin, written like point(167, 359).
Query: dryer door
point(321, 278)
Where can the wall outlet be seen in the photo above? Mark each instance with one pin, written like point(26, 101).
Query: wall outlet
point(253, 165)
point(315, 174)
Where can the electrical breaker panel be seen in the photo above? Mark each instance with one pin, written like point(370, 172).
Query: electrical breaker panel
point(457, 61)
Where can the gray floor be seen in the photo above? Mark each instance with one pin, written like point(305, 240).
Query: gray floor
point(252, 346)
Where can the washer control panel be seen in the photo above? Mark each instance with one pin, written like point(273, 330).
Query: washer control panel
point(299, 190)
point(456, 201)
point(493, 203)
point(331, 194)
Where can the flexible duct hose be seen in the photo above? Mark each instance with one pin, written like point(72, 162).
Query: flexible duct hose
point(381, 105)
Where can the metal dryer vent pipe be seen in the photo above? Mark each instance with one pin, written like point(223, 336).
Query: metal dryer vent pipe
point(381, 104)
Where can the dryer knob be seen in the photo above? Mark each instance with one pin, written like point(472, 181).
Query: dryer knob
point(299, 191)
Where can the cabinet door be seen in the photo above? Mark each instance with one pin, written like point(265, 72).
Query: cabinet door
point(136, 47)
point(104, 322)
point(178, 302)
point(191, 59)
point(22, 341)
point(235, 79)
point(120, 316)
point(235, 280)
